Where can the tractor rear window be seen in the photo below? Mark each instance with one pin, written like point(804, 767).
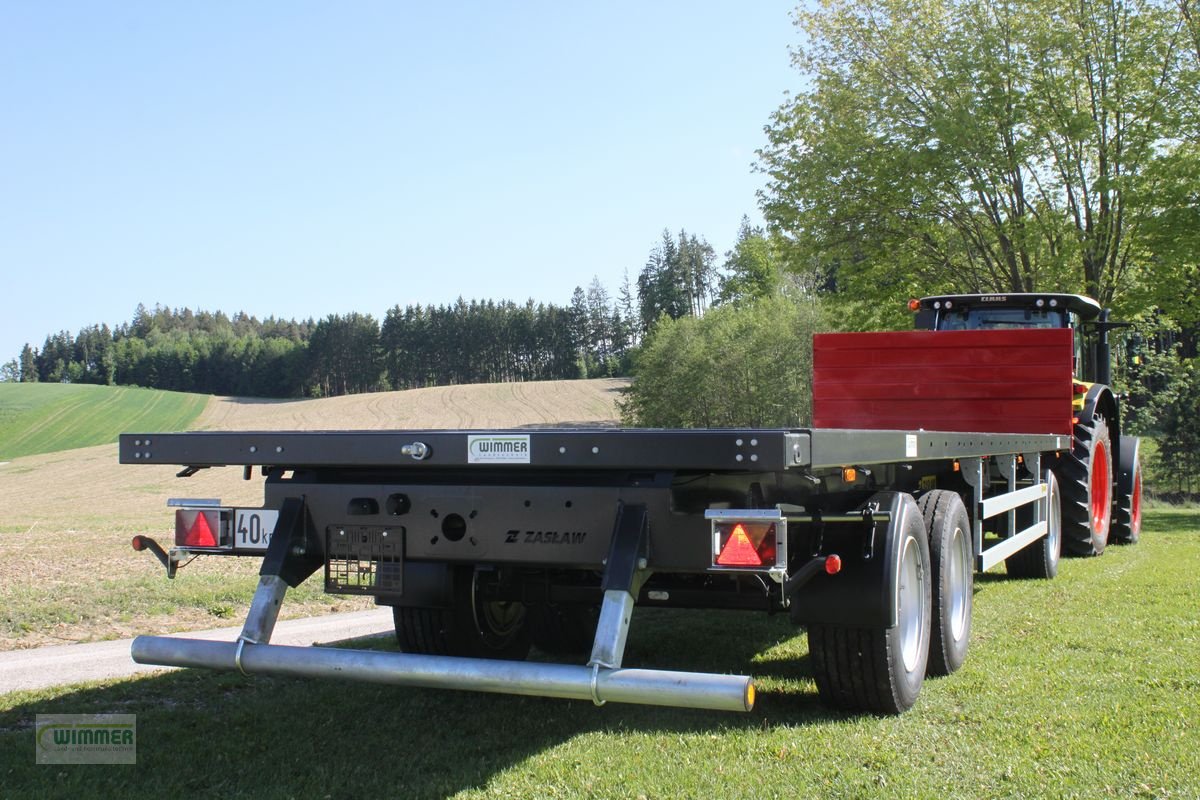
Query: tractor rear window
point(973, 319)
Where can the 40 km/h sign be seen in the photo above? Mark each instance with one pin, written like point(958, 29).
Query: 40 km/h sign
point(252, 528)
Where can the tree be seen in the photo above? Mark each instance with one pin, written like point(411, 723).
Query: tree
point(738, 365)
point(677, 279)
point(10, 371)
point(751, 268)
point(28, 365)
point(980, 145)
point(344, 355)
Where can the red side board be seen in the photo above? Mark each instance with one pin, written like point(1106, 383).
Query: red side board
point(994, 381)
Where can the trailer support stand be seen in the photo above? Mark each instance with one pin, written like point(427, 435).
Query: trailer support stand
point(294, 553)
point(624, 574)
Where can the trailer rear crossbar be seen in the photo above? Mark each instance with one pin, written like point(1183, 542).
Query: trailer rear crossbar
point(641, 686)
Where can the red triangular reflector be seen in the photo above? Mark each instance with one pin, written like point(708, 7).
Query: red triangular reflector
point(201, 534)
point(739, 551)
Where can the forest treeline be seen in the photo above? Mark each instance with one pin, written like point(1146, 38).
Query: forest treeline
point(413, 346)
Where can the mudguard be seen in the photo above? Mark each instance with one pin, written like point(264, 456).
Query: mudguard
point(863, 593)
point(1128, 459)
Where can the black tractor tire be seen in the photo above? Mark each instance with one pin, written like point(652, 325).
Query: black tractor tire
point(1085, 482)
point(1040, 559)
point(563, 629)
point(880, 670)
point(952, 555)
point(474, 627)
point(1127, 518)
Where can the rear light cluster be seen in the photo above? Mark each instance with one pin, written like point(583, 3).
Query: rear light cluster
point(746, 544)
point(749, 540)
point(202, 523)
point(201, 528)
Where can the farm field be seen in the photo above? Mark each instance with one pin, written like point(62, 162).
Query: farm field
point(48, 417)
point(67, 572)
point(1081, 687)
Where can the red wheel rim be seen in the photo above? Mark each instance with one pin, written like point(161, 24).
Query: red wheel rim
point(1101, 487)
point(1135, 510)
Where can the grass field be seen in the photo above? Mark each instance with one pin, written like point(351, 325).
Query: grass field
point(48, 417)
point(1085, 686)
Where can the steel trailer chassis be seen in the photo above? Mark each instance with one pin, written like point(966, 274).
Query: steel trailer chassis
point(646, 477)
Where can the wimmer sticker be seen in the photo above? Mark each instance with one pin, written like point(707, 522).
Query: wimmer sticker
point(496, 449)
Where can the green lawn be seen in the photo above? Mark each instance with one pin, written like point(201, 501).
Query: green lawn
point(1085, 686)
point(47, 417)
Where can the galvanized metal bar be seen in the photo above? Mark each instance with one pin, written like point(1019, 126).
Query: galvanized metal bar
point(624, 575)
point(612, 629)
point(994, 506)
point(849, 447)
point(640, 686)
point(998, 552)
point(264, 610)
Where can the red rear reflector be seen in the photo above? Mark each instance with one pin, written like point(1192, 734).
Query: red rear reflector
point(197, 528)
point(914, 305)
point(747, 545)
point(739, 550)
point(833, 564)
point(138, 544)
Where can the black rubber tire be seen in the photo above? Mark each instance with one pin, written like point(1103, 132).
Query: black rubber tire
point(563, 629)
point(951, 553)
point(1127, 517)
point(1074, 471)
point(472, 628)
point(1040, 559)
point(863, 669)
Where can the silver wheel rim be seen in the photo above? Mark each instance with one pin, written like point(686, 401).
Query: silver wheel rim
point(911, 611)
point(1053, 519)
point(960, 564)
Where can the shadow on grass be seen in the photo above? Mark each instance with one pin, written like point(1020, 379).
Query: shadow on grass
point(203, 733)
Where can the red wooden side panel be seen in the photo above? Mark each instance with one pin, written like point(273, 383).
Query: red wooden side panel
point(993, 381)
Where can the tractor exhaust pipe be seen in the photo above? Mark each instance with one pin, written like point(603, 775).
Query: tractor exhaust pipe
point(600, 685)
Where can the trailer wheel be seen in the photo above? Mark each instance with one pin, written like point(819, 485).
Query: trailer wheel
point(1127, 524)
point(475, 627)
point(951, 554)
point(563, 629)
point(881, 669)
point(1085, 483)
point(1040, 559)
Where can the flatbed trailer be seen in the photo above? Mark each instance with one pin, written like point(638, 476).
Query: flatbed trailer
point(482, 541)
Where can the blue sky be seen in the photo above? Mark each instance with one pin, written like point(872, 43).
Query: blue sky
point(299, 159)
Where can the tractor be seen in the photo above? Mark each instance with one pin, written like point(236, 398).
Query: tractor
point(1100, 476)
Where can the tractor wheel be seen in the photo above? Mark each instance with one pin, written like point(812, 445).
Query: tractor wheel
point(474, 627)
point(952, 557)
point(564, 629)
point(1085, 482)
point(881, 669)
point(1040, 559)
point(1127, 524)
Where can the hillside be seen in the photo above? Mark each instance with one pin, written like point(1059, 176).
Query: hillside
point(66, 517)
point(48, 417)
